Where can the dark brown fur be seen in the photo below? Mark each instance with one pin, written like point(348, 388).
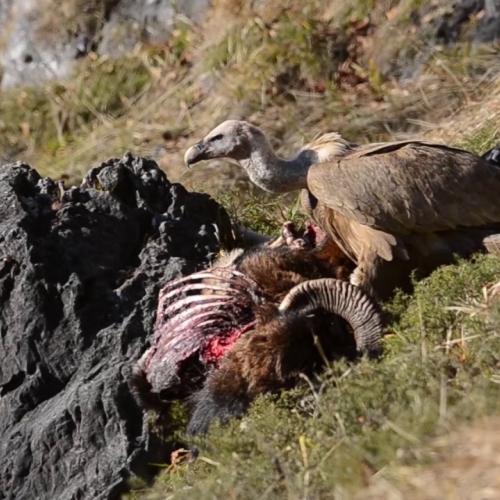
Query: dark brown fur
point(281, 346)
point(271, 358)
point(277, 270)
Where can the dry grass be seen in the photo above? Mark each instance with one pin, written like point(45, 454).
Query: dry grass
point(74, 16)
point(185, 114)
point(476, 126)
point(296, 69)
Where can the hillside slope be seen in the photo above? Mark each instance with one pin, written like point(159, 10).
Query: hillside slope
point(372, 70)
point(375, 425)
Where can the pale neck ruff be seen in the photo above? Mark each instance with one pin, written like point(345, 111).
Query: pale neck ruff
point(275, 174)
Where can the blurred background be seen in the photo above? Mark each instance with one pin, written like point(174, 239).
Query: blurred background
point(85, 80)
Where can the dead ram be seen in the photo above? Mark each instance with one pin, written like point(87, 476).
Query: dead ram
point(227, 334)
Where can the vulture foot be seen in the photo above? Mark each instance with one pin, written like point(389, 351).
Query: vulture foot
point(357, 277)
point(363, 277)
point(311, 237)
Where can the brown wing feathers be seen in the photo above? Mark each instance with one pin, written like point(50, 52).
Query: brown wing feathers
point(414, 188)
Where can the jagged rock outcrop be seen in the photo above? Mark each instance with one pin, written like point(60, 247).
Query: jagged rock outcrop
point(487, 28)
point(134, 21)
point(79, 277)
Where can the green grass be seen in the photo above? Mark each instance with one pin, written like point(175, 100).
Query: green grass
point(266, 61)
point(300, 49)
point(262, 213)
point(486, 136)
point(47, 119)
point(327, 437)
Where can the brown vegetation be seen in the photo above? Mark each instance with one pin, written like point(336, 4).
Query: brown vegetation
point(296, 70)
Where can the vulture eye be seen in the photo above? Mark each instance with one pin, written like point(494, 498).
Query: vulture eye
point(215, 138)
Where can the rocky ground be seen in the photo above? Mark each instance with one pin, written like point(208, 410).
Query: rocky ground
point(37, 46)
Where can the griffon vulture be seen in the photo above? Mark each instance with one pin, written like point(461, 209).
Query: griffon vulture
point(391, 207)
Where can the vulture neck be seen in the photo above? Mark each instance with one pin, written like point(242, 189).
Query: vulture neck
point(275, 174)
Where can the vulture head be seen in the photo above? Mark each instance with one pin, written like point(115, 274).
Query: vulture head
point(248, 146)
point(232, 139)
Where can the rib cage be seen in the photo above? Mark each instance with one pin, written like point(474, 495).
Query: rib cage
point(192, 311)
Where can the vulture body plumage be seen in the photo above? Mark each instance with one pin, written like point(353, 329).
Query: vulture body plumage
point(391, 207)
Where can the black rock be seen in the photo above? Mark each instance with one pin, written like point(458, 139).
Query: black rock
point(80, 272)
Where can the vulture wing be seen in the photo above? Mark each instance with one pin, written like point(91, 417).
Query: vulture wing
point(410, 186)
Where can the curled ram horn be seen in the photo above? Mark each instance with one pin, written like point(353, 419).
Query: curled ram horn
point(345, 300)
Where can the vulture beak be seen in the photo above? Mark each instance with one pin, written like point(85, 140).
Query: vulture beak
point(195, 154)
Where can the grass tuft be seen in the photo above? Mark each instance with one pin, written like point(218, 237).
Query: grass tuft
point(263, 214)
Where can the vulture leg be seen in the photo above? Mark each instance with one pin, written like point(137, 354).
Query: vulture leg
point(367, 274)
point(379, 278)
